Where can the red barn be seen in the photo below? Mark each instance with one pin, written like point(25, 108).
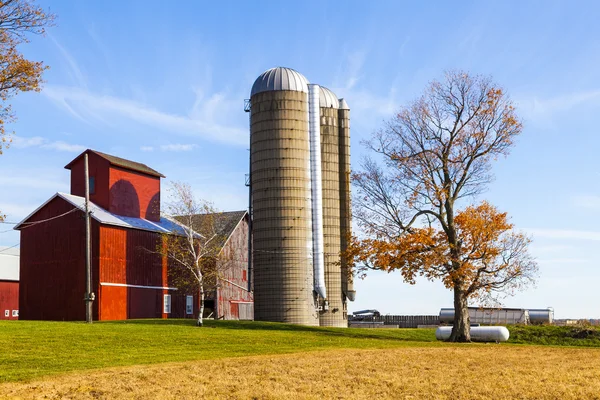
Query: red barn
point(9, 283)
point(129, 278)
point(230, 297)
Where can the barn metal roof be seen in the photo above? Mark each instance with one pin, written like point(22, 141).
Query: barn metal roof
point(223, 223)
point(280, 78)
point(327, 98)
point(120, 162)
point(165, 225)
point(9, 264)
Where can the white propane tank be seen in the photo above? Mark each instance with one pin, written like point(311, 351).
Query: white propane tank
point(478, 333)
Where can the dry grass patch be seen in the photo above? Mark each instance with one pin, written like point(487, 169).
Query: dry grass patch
point(453, 372)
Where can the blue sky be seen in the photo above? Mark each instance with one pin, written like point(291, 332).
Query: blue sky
point(165, 85)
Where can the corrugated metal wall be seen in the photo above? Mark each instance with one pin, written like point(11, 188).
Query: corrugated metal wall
point(52, 269)
point(330, 170)
point(9, 300)
point(128, 256)
point(134, 194)
point(280, 173)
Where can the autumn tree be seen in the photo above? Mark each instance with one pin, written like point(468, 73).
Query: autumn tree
point(19, 19)
point(433, 157)
point(193, 248)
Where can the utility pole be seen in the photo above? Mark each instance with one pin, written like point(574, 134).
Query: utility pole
point(89, 296)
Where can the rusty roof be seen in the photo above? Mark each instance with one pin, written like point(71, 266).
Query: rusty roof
point(221, 223)
point(120, 162)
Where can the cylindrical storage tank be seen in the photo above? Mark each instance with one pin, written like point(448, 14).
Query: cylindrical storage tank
point(281, 199)
point(447, 315)
point(478, 333)
point(344, 191)
point(336, 312)
point(541, 316)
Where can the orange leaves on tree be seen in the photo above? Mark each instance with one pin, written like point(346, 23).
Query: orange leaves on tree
point(18, 19)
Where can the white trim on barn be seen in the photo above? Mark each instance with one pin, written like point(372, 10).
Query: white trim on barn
point(137, 286)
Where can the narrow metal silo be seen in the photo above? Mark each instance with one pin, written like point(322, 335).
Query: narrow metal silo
point(345, 205)
point(280, 182)
point(334, 314)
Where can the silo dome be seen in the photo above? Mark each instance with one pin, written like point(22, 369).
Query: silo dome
point(280, 78)
point(327, 98)
point(343, 105)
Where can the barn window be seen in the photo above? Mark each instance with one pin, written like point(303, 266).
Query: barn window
point(189, 305)
point(167, 304)
point(15, 313)
point(92, 185)
point(7, 313)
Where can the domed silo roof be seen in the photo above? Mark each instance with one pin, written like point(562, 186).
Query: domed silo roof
point(343, 105)
point(327, 98)
point(280, 78)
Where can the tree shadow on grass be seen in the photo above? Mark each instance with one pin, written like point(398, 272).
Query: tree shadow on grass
point(393, 334)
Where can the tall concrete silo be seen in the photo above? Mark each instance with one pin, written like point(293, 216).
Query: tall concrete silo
point(299, 200)
point(280, 180)
point(345, 205)
point(334, 314)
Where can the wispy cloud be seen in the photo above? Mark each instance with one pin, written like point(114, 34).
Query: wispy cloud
point(178, 147)
point(147, 148)
point(74, 70)
point(43, 143)
point(205, 122)
point(587, 202)
point(564, 234)
point(540, 109)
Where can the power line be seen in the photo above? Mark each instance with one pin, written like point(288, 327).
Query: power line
point(8, 248)
point(30, 224)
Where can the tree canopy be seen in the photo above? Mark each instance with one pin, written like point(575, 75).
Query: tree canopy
point(432, 157)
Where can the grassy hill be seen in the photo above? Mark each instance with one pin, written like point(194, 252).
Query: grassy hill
point(227, 359)
point(42, 348)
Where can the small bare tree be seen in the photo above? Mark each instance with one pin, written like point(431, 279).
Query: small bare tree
point(433, 154)
point(194, 247)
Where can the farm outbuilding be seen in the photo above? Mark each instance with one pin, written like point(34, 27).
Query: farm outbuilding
point(9, 283)
point(129, 277)
point(489, 316)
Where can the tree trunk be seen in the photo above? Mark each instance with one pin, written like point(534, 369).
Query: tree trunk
point(201, 312)
point(461, 330)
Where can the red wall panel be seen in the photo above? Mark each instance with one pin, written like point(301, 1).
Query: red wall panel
point(113, 303)
point(128, 256)
point(99, 169)
point(9, 299)
point(134, 194)
point(52, 265)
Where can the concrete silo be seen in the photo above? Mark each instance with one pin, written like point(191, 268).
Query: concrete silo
point(299, 200)
point(281, 199)
point(335, 312)
point(345, 205)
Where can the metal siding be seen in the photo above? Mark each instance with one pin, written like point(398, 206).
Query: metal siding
point(280, 174)
point(128, 256)
point(52, 265)
point(9, 298)
point(98, 168)
point(134, 194)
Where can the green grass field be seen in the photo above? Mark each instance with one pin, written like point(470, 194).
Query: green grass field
point(35, 349)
